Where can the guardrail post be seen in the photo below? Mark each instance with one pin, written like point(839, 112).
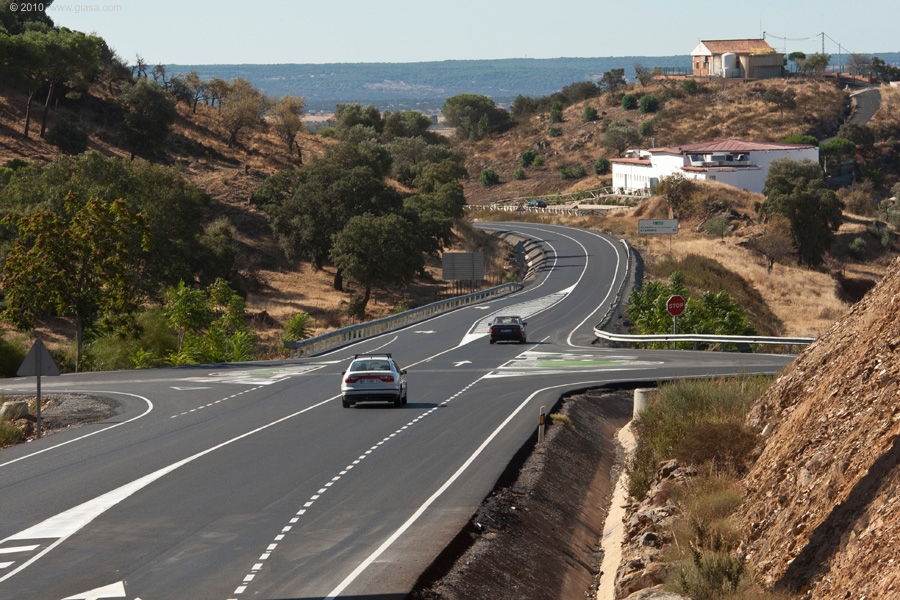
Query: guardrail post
point(541, 426)
point(641, 397)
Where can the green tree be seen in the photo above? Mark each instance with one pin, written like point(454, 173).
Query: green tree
point(298, 327)
point(690, 86)
point(405, 124)
point(242, 108)
point(678, 192)
point(170, 204)
point(629, 102)
point(149, 115)
point(797, 190)
point(473, 115)
point(77, 267)
point(797, 58)
point(590, 114)
point(774, 244)
point(307, 207)
point(620, 136)
point(816, 62)
point(488, 177)
point(836, 150)
point(643, 74)
point(613, 80)
point(649, 104)
point(781, 99)
point(287, 120)
point(376, 251)
point(602, 166)
point(211, 324)
point(884, 71)
point(809, 140)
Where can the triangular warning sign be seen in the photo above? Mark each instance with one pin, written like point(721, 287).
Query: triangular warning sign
point(38, 362)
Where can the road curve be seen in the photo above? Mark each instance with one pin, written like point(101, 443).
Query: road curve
point(239, 480)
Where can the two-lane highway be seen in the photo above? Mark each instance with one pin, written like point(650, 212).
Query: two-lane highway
point(250, 480)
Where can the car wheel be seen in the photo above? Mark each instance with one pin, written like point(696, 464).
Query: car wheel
point(345, 403)
point(398, 401)
point(492, 340)
point(523, 341)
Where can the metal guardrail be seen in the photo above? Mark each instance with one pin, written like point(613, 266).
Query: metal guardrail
point(339, 337)
point(697, 338)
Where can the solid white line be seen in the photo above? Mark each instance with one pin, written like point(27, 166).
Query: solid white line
point(61, 444)
point(18, 549)
point(67, 523)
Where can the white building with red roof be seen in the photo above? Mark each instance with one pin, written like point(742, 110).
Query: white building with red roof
point(737, 163)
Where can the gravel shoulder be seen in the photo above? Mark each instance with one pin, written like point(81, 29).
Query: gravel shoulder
point(60, 412)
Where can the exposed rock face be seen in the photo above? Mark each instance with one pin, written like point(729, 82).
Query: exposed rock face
point(822, 514)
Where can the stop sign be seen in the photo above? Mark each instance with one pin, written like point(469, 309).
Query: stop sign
point(675, 305)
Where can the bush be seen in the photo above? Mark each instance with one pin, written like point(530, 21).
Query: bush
point(602, 166)
point(519, 174)
point(858, 248)
point(556, 115)
point(572, 172)
point(68, 137)
point(649, 104)
point(629, 102)
point(555, 131)
point(488, 178)
point(590, 114)
point(538, 162)
point(151, 340)
point(12, 356)
point(298, 327)
point(690, 86)
point(526, 159)
point(683, 409)
point(646, 129)
point(801, 139)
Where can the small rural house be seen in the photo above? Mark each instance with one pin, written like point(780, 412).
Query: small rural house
point(737, 163)
point(741, 59)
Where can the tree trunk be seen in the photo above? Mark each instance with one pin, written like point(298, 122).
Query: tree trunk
point(338, 281)
point(365, 300)
point(28, 112)
point(46, 108)
point(79, 336)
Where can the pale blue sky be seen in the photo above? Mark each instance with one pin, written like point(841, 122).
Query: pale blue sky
point(302, 31)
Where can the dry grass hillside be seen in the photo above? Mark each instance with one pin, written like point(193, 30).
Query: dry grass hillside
point(716, 111)
point(821, 510)
point(803, 302)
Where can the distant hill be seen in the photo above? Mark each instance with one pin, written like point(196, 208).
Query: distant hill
point(425, 85)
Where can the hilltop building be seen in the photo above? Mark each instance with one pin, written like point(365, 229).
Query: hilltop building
point(741, 59)
point(737, 163)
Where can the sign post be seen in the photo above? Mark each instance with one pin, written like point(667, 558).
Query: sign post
point(658, 227)
point(675, 306)
point(38, 362)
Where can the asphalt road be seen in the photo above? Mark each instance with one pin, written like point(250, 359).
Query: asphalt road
point(250, 480)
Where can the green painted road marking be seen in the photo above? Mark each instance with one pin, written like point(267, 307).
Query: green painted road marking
point(579, 363)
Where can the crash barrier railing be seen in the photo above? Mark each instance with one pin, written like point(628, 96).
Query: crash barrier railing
point(352, 333)
point(747, 341)
point(611, 310)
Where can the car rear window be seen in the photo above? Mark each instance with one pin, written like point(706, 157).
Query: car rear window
point(370, 365)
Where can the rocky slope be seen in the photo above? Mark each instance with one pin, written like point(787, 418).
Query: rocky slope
point(821, 511)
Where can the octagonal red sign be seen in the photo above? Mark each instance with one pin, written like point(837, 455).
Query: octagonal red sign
point(675, 305)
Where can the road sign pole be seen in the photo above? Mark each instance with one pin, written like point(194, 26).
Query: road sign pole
point(38, 410)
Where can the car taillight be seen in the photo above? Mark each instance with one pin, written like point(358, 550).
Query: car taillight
point(386, 378)
point(352, 379)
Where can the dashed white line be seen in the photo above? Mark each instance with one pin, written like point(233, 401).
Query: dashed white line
point(265, 556)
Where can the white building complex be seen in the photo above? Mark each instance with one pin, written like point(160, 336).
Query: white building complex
point(740, 164)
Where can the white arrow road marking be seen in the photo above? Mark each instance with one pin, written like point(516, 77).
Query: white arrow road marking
point(488, 307)
point(462, 362)
point(426, 332)
point(184, 389)
point(113, 590)
point(62, 526)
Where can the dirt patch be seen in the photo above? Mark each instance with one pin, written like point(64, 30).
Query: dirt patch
point(537, 535)
point(60, 412)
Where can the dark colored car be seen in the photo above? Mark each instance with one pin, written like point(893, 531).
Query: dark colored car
point(509, 329)
point(373, 378)
point(537, 204)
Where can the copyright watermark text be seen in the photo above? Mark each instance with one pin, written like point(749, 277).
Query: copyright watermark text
point(28, 7)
